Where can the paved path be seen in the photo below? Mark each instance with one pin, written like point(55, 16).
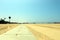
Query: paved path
point(18, 33)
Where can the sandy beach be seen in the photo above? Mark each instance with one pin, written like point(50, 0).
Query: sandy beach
point(35, 31)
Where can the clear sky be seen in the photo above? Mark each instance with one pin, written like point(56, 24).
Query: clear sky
point(30, 10)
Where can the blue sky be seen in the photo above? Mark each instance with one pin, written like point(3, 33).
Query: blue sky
point(30, 10)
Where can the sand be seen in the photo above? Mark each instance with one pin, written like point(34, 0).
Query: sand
point(45, 31)
point(6, 27)
point(39, 31)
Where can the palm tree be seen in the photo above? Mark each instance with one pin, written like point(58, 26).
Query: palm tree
point(9, 18)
